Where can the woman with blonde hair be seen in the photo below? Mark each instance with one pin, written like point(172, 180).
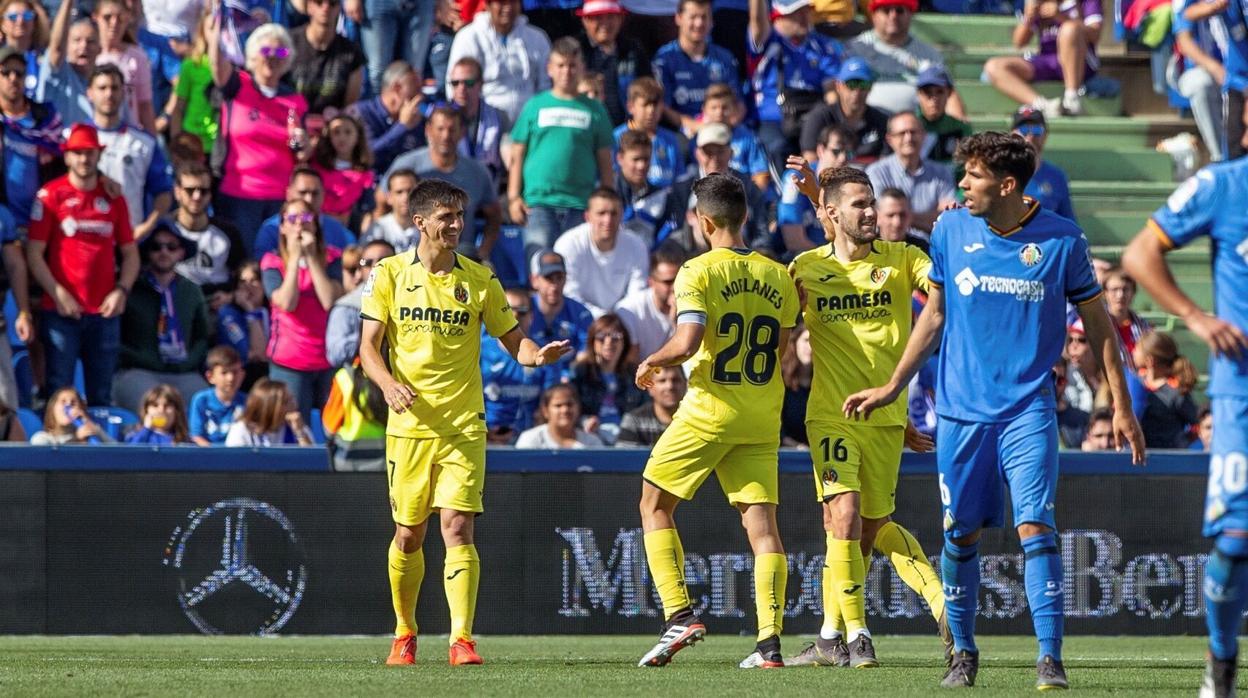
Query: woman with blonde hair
point(24, 25)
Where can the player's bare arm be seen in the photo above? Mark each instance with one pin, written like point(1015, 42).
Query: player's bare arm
point(1144, 259)
point(1104, 342)
point(923, 341)
point(526, 352)
point(398, 395)
point(683, 344)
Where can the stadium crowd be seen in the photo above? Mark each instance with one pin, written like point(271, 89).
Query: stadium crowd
point(194, 193)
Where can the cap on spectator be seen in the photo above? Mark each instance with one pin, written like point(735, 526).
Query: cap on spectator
point(855, 69)
point(933, 76)
point(714, 134)
point(188, 246)
point(912, 5)
point(1028, 114)
point(1076, 327)
point(787, 7)
point(547, 262)
point(82, 137)
point(9, 51)
point(595, 8)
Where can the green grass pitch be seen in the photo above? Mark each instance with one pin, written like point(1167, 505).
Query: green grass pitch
point(560, 667)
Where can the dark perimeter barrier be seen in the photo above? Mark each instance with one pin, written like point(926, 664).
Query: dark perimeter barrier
point(139, 540)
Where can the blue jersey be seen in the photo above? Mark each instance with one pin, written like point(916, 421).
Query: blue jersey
point(795, 209)
point(1212, 204)
point(748, 155)
point(685, 80)
point(1236, 49)
point(1005, 310)
point(807, 66)
point(1210, 34)
point(1051, 188)
point(512, 391)
point(572, 323)
point(210, 419)
point(24, 139)
point(667, 155)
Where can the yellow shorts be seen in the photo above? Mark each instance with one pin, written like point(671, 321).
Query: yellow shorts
point(438, 473)
point(855, 458)
point(681, 461)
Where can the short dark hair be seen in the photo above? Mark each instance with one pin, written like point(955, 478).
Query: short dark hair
point(447, 110)
point(1004, 154)
point(222, 355)
point(680, 6)
point(109, 69)
point(832, 179)
point(606, 193)
point(377, 241)
point(1101, 414)
point(567, 47)
point(668, 253)
point(402, 172)
point(893, 193)
point(190, 168)
point(305, 171)
point(430, 193)
point(721, 197)
point(847, 136)
point(633, 138)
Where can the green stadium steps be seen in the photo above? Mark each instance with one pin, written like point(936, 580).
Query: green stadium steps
point(982, 98)
point(962, 30)
point(1113, 164)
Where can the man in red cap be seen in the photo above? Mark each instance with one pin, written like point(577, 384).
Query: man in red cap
point(76, 225)
point(896, 58)
point(618, 60)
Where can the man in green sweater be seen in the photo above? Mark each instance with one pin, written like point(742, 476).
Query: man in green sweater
point(165, 329)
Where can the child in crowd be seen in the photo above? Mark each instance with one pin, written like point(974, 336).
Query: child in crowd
point(164, 418)
point(668, 149)
point(189, 109)
point(592, 85)
point(345, 162)
point(722, 106)
point(65, 421)
point(214, 410)
point(561, 415)
point(244, 324)
point(271, 418)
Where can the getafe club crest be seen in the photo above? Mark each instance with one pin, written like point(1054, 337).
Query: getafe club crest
point(461, 293)
point(879, 275)
point(1030, 255)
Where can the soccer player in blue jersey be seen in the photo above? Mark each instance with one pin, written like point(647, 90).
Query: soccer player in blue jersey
point(1012, 266)
point(1212, 204)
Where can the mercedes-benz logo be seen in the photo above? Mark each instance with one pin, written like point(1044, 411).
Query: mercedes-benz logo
point(252, 582)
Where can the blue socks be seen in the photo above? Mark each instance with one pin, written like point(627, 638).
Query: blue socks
point(1043, 576)
point(1226, 584)
point(959, 570)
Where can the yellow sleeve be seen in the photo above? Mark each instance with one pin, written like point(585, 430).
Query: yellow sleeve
point(920, 266)
point(496, 313)
point(378, 294)
point(791, 304)
point(690, 290)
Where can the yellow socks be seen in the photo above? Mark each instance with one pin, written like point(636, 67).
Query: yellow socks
point(406, 572)
point(771, 575)
point(666, 559)
point(463, 573)
point(911, 565)
point(849, 576)
point(833, 624)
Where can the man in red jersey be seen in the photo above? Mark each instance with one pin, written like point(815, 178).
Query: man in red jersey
point(75, 227)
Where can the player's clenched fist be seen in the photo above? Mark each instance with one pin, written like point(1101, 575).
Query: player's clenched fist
point(399, 396)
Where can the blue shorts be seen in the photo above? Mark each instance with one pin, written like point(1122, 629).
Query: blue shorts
point(1226, 500)
point(978, 460)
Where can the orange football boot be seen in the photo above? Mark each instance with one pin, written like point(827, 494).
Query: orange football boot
point(464, 652)
point(402, 651)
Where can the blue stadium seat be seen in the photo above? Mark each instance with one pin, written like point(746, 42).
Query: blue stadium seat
point(115, 420)
point(31, 422)
point(24, 376)
point(318, 428)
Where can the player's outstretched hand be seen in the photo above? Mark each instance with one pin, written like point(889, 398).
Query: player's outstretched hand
point(552, 352)
point(1127, 431)
point(645, 375)
point(917, 441)
point(806, 180)
point(861, 404)
point(399, 396)
point(1222, 337)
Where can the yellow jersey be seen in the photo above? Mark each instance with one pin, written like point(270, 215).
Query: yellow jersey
point(433, 323)
point(744, 299)
point(859, 315)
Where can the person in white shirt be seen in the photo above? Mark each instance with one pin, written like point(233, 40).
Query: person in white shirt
point(396, 227)
point(648, 313)
point(561, 411)
point(512, 54)
point(605, 263)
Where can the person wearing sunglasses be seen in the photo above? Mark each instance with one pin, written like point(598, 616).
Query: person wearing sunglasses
point(1049, 185)
point(897, 57)
point(165, 330)
point(303, 279)
point(25, 27)
point(30, 135)
point(261, 123)
point(66, 65)
point(484, 126)
point(929, 184)
point(868, 124)
point(512, 51)
point(219, 246)
point(342, 330)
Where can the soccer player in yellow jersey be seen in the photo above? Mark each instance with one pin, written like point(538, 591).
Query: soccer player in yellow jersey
point(430, 305)
point(856, 292)
point(734, 312)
